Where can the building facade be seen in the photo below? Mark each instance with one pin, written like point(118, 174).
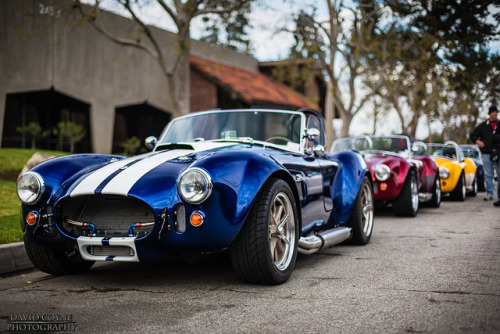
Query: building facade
point(55, 67)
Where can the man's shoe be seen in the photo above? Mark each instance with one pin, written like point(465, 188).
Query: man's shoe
point(497, 203)
point(488, 197)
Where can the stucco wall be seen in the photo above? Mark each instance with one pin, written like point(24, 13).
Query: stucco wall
point(63, 52)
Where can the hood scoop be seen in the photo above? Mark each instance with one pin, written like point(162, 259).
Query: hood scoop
point(175, 146)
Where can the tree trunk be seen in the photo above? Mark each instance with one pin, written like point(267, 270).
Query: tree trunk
point(429, 129)
point(33, 144)
point(418, 95)
point(346, 124)
point(329, 115)
point(182, 75)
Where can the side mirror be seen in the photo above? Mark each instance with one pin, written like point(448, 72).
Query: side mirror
point(418, 146)
point(150, 142)
point(319, 150)
point(313, 134)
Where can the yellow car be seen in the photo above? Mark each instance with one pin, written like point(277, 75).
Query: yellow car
point(458, 173)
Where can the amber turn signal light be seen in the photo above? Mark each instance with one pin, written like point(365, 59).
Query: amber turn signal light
point(197, 219)
point(31, 218)
point(383, 186)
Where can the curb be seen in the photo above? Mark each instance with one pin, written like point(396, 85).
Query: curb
point(13, 257)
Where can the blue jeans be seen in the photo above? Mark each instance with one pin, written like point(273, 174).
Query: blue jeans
point(488, 174)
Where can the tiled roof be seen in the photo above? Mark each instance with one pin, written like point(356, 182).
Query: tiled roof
point(251, 87)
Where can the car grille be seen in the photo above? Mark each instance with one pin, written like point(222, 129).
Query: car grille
point(105, 216)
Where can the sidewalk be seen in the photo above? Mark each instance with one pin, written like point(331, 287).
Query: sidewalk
point(13, 257)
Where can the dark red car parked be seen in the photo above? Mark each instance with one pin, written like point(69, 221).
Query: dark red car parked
point(399, 179)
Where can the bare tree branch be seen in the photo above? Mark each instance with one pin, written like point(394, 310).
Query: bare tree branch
point(170, 12)
point(147, 30)
point(92, 19)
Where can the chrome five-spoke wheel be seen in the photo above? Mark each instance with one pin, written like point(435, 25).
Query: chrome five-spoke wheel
point(281, 231)
point(361, 220)
point(367, 209)
point(414, 194)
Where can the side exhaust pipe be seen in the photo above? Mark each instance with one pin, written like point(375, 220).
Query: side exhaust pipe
point(313, 243)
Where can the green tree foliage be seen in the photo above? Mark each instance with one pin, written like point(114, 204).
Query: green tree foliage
point(71, 131)
point(229, 29)
point(441, 66)
point(33, 130)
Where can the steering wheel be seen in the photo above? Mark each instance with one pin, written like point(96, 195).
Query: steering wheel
point(278, 138)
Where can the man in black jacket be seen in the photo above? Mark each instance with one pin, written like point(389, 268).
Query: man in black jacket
point(485, 136)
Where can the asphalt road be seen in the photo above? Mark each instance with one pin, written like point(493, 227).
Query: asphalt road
point(436, 273)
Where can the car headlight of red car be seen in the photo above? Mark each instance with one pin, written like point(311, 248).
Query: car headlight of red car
point(194, 185)
point(444, 173)
point(382, 172)
point(30, 187)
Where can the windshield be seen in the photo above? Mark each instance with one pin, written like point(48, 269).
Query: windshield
point(279, 128)
point(440, 150)
point(368, 143)
point(471, 152)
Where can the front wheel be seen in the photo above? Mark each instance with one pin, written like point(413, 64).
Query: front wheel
point(459, 193)
point(473, 192)
point(361, 220)
point(56, 261)
point(265, 250)
point(406, 204)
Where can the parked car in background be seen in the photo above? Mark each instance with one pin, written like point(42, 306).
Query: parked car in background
point(458, 173)
point(473, 152)
point(256, 182)
point(399, 179)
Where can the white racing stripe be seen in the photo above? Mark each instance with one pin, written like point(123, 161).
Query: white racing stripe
point(91, 182)
point(123, 182)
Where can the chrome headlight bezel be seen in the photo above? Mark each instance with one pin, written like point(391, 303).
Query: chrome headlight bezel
point(201, 195)
point(382, 172)
point(444, 173)
point(38, 183)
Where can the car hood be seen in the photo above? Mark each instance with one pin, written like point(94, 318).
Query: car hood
point(374, 159)
point(143, 173)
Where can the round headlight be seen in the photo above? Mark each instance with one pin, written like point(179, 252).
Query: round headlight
point(194, 185)
point(382, 172)
point(444, 172)
point(30, 187)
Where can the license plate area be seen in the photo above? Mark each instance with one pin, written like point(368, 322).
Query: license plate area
point(110, 250)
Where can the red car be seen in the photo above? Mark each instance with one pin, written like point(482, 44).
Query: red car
point(399, 179)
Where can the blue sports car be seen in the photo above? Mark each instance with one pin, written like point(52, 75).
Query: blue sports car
point(256, 182)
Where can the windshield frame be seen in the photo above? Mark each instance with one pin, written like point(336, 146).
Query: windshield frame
point(369, 138)
point(302, 143)
point(472, 147)
point(460, 154)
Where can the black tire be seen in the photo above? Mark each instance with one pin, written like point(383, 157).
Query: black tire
point(480, 183)
point(459, 193)
point(251, 252)
point(437, 195)
point(56, 261)
point(473, 192)
point(405, 205)
point(361, 220)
